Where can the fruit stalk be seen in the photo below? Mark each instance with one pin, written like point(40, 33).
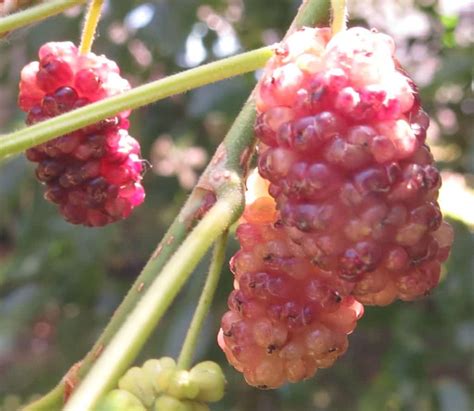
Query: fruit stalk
point(339, 16)
point(186, 356)
point(90, 24)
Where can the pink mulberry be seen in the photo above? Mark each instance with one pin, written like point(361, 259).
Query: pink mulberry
point(342, 141)
point(287, 317)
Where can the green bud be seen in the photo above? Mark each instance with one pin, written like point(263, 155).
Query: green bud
point(120, 400)
point(210, 379)
point(181, 386)
point(154, 368)
point(139, 384)
point(168, 403)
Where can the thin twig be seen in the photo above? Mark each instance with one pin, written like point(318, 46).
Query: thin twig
point(186, 355)
point(90, 25)
point(339, 16)
point(35, 14)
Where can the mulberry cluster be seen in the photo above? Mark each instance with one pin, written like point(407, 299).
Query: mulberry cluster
point(342, 142)
point(160, 386)
point(93, 174)
point(287, 317)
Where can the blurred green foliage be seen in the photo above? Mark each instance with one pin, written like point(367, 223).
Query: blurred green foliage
point(59, 284)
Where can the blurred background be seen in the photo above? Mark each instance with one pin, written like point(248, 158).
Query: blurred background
point(59, 283)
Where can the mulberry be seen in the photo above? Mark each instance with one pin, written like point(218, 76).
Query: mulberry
point(342, 142)
point(287, 317)
point(93, 174)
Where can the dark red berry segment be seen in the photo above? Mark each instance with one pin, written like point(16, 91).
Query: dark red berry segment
point(287, 317)
point(342, 142)
point(93, 174)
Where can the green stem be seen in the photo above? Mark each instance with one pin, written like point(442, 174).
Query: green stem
point(90, 24)
point(310, 13)
point(178, 83)
point(175, 235)
point(204, 304)
point(48, 402)
point(143, 319)
point(339, 16)
point(36, 13)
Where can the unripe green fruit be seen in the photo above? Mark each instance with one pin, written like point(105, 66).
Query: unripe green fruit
point(181, 386)
point(210, 379)
point(208, 366)
point(139, 384)
point(155, 368)
point(168, 403)
point(167, 362)
point(162, 381)
point(198, 406)
point(120, 400)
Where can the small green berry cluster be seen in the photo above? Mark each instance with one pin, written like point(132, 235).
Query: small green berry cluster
point(160, 386)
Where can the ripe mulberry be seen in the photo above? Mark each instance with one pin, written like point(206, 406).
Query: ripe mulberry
point(342, 142)
point(93, 174)
point(287, 317)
